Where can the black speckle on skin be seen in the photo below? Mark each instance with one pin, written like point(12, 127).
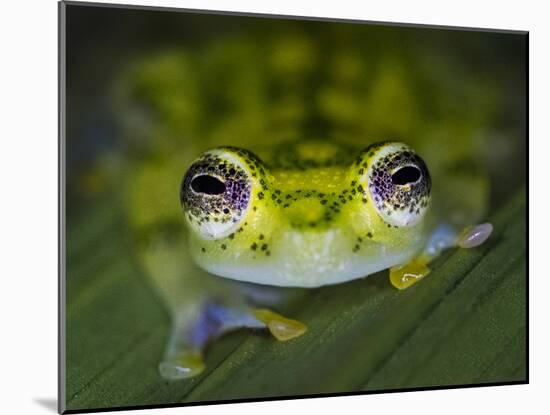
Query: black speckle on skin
point(254, 246)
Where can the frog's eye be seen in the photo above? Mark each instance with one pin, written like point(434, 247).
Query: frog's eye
point(215, 193)
point(399, 183)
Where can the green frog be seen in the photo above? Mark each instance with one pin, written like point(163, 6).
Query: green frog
point(284, 191)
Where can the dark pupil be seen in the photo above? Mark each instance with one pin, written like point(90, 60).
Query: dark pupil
point(405, 175)
point(207, 184)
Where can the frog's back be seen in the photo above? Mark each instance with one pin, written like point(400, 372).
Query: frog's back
point(307, 154)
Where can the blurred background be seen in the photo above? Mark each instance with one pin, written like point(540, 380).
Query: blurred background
point(214, 78)
point(147, 91)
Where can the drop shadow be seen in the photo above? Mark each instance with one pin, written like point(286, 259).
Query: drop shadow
point(48, 403)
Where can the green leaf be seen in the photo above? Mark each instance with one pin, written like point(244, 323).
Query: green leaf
point(463, 324)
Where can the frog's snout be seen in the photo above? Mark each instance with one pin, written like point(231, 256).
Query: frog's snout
point(306, 213)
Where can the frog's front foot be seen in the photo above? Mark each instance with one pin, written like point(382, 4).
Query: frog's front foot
point(404, 276)
point(444, 237)
point(473, 236)
point(194, 329)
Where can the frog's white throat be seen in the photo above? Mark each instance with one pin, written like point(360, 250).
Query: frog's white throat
point(310, 259)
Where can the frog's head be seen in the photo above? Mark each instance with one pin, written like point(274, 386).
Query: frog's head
point(310, 223)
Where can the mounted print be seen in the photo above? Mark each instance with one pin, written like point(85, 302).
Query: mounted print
point(271, 207)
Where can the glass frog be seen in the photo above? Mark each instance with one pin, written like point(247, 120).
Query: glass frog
point(304, 197)
point(308, 214)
